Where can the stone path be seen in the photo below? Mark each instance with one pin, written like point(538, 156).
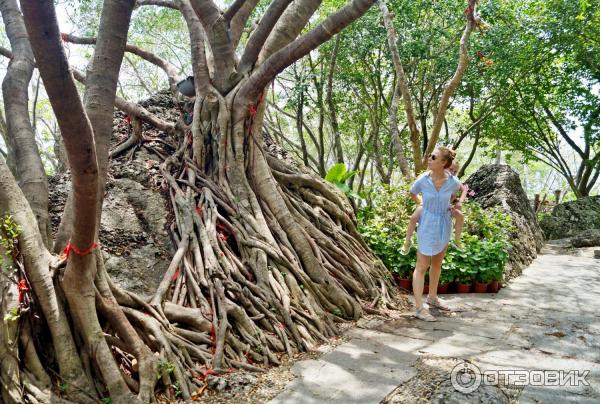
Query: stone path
point(547, 319)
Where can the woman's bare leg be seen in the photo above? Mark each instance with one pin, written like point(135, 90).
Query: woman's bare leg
point(434, 278)
point(434, 273)
point(410, 230)
point(419, 278)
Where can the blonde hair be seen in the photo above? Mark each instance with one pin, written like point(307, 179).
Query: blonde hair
point(448, 155)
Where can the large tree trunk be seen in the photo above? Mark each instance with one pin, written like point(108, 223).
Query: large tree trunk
point(268, 256)
point(10, 391)
point(15, 88)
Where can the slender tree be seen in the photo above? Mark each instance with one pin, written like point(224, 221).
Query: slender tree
point(424, 141)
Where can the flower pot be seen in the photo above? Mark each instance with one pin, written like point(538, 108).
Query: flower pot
point(442, 289)
point(463, 287)
point(452, 287)
point(186, 86)
point(480, 287)
point(493, 287)
point(405, 283)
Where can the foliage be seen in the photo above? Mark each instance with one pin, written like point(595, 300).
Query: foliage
point(12, 315)
point(9, 234)
point(384, 227)
point(164, 368)
point(553, 114)
point(338, 175)
point(486, 238)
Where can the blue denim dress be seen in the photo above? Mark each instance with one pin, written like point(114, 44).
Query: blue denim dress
point(435, 223)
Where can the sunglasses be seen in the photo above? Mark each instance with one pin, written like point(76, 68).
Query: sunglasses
point(432, 156)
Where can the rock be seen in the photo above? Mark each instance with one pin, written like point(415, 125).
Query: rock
point(133, 237)
point(588, 238)
point(596, 253)
point(571, 218)
point(216, 383)
point(447, 394)
point(131, 232)
point(499, 185)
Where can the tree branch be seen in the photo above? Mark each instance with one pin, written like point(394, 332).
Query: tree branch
point(463, 62)
point(42, 27)
point(217, 34)
point(170, 70)
point(560, 128)
point(289, 26)
point(259, 36)
point(233, 9)
point(199, 61)
point(6, 52)
point(335, 129)
point(401, 89)
point(161, 3)
point(303, 45)
point(135, 110)
point(238, 21)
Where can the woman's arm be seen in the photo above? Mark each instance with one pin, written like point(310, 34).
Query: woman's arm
point(463, 195)
point(416, 198)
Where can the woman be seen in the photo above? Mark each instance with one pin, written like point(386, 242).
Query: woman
point(433, 234)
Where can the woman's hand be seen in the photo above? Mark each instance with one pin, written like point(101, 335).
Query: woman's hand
point(457, 205)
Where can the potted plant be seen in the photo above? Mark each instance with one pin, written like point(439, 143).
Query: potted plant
point(464, 280)
point(482, 278)
point(446, 277)
point(404, 278)
point(494, 284)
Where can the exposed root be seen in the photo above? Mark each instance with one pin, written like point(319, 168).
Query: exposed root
point(265, 265)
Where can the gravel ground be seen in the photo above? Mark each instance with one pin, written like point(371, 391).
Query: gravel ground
point(432, 385)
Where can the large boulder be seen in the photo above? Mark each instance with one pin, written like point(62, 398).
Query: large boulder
point(498, 185)
point(588, 238)
point(133, 231)
point(134, 235)
point(572, 218)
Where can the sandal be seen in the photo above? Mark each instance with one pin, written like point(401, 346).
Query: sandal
point(425, 315)
point(437, 304)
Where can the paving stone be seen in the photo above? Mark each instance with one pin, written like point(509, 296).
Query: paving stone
point(540, 321)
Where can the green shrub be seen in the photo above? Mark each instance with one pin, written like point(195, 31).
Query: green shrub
point(485, 237)
point(384, 228)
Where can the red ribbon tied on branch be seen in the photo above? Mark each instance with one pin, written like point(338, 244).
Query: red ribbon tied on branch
point(22, 289)
point(77, 251)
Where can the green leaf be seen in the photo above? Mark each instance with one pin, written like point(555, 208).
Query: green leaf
point(336, 173)
point(12, 315)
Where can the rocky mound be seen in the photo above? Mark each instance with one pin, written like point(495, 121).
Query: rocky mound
point(134, 232)
point(572, 218)
point(499, 185)
point(137, 214)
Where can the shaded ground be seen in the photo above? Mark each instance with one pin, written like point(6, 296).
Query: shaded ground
point(547, 319)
